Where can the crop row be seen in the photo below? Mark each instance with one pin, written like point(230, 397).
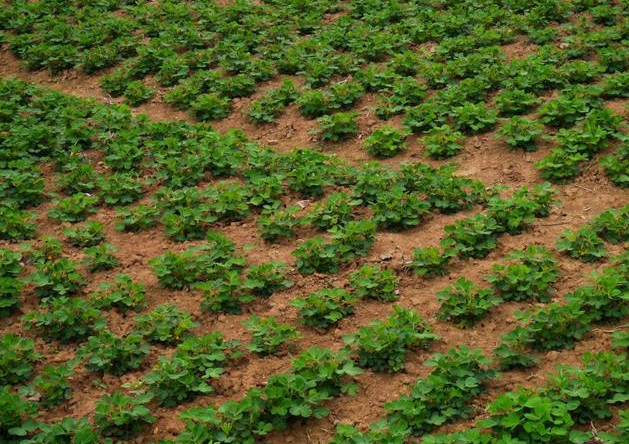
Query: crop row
point(444, 93)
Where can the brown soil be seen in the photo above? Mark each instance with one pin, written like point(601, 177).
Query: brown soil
point(483, 158)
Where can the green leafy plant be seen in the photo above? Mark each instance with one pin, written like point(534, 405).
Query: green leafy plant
point(268, 335)
point(66, 430)
point(137, 93)
point(382, 346)
point(185, 374)
point(10, 263)
point(226, 294)
point(539, 418)
point(561, 165)
point(518, 132)
point(474, 236)
point(211, 107)
point(396, 209)
point(474, 118)
point(325, 308)
point(165, 324)
point(510, 102)
point(205, 262)
point(122, 294)
point(10, 291)
point(277, 224)
point(430, 261)
point(57, 278)
point(337, 127)
point(313, 103)
point(107, 353)
point(120, 189)
point(386, 141)
point(52, 385)
point(16, 419)
point(442, 142)
point(582, 244)
point(17, 356)
point(65, 319)
point(314, 255)
point(529, 276)
point(17, 224)
point(89, 235)
point(75, 208)
point(101, 257)
point(612, 225)
point(564, 111)
point(334, 212)
point(122, 416)
point(604, 298)
point(445, 394)
point(464, 303)
point(372, 282)
point(136, 219)
point(268, 278)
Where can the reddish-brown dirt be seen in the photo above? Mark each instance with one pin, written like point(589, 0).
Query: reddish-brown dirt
point(483, 158)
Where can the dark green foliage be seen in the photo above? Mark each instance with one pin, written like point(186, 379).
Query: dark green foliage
point(75, 208)
point(165, 324)
point(52, 385)
point(136, 93)
point(57, 278)
point(442, 142)
point(226, 294)
point(521, 133)
point(612, 225)
point(10, 263)
point(511, 102)
point(89, 235)
point(122, 416)
point(101, 258)
point(210, 107)
point(201, 263)
point(464, 303)
point(528, 275)
point(267, 335)
point(335, 211)
point(16, 417)
point(382, 346)
point(65, 319)
point(185, 374)
point(117, 355)
point(445, 394)
point(372, 282)
point(430, 261)
point(268, 278)
point(17, 224)
point(474, 118)
point(17, 356)
point(397, 210)
point(583, 244)
point(65, 430)
point(386, 141)
point(474, 237)
point(325, 308)
point(122, 294)
point(276, 224)
point(120, 189)
point(337, 127)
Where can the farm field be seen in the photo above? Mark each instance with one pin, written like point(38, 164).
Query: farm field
point(330, 222)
